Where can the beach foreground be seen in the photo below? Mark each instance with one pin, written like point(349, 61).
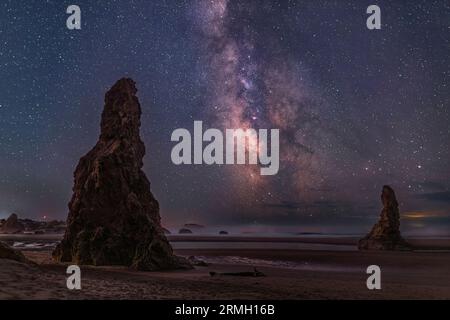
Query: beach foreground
point(290, 274)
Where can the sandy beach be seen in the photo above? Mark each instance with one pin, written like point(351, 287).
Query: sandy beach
point(290, 274)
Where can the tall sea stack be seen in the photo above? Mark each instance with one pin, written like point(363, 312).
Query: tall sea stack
point(113, 217)
point(385, 234)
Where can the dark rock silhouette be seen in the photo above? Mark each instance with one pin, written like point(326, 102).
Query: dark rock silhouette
point(255, 273)
point(385, 234)
point(184, 231)
point(12, 225)
point(6, 252)
point(223, 232)
point(113, 217)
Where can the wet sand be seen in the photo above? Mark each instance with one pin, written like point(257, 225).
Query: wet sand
point(291, 274)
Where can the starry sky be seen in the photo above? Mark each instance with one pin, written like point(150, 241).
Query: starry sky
point(356, 108)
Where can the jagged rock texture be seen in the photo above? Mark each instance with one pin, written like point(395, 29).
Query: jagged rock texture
point(385, 234)
point(114, 218)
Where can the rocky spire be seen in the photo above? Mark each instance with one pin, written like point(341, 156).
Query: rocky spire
point(113, 216)
point(385, 234)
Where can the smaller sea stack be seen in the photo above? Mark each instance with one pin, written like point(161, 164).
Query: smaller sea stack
point(385, 234)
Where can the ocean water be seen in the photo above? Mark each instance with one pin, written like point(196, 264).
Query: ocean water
point(261, 245)
point(276, 241)
point(46, 244)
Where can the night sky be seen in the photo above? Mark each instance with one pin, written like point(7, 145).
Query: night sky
point(356, 108)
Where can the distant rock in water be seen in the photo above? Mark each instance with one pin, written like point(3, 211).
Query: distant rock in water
point(12, 225)
point(54, 227)
point(223, 232)
point(28, 226)
point(184, 231)
point(385, 234)
point(43, 227)
point(113, 217)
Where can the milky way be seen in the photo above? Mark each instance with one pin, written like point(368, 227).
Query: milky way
point(249, 91)
point(356, 109)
